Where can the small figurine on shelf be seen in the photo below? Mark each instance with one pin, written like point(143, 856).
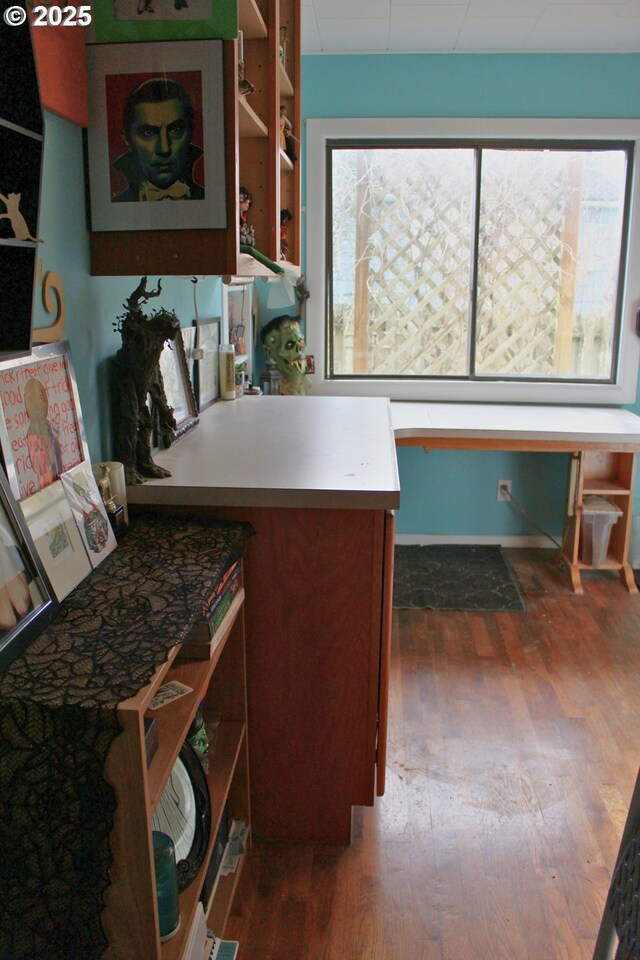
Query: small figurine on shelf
point(287, 139)
point(244, 86)
point(247, 233)
point(285, 220)
point(104, 486)
point(115, 510)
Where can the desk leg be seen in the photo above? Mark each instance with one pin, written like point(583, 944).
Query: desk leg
point(627, 577)
point(576, 580)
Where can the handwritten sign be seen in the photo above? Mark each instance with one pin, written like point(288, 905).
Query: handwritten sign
point(55, 428)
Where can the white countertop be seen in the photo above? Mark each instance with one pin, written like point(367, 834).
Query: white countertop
point(282, 452)
point(608, 426)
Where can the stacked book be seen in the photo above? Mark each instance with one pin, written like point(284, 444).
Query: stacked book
point(202, 642)
point(215, 949)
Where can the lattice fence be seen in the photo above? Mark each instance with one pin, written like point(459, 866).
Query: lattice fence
point(407, 227)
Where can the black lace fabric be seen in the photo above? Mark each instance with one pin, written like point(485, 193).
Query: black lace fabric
point(58, 720)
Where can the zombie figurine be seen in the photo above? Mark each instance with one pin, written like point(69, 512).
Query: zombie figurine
point(284, 343)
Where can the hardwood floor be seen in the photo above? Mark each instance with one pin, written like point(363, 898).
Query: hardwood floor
point(512, 756)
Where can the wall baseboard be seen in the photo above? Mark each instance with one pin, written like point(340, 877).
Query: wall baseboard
point(516, 541)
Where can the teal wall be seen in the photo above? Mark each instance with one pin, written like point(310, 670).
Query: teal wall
point(454, 493)
point(442, 493)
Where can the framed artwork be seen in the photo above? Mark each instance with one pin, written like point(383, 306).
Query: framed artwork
point(41, 429)
point(27, 602)
point(177, 384)
point(207, 368)
point(134, 20)
point(189, 341)
point(156, 136)
point(56, 538)
point(89, 512)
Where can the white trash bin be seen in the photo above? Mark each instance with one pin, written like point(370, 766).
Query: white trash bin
point(598, 517)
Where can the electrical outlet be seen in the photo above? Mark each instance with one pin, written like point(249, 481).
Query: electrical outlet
point(504, 489)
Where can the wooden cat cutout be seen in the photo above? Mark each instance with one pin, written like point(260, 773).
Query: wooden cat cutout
point(18, 222)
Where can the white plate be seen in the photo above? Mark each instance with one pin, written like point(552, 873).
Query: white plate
point(176, 812)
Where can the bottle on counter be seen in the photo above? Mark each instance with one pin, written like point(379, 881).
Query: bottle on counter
point(227, 359)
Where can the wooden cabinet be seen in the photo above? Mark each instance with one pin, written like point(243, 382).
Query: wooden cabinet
point(607, 474)
point(130, 918)
point(253, 159)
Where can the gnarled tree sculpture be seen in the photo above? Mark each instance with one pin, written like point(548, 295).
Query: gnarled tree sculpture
point(136, 380)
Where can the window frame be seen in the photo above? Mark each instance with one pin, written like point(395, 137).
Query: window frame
point(320, 132)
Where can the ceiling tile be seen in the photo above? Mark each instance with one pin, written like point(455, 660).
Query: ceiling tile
point(497, 34)
point(505, 9)
point(473, 25)
point(590, 27)
point(425, 29)
point(309, 31)
point(366, 9)
point(347, 35)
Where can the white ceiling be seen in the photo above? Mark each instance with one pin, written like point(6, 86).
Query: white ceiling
point(470, 26)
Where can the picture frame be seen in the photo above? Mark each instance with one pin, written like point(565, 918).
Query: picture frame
point(177, 385)
point(125, 176)
point(206, 362)
point(27, 600)
point(56, 538)
point(136, 20)
point(238, 322)
point(89, 512)
point(41, 427)
point(189, 341)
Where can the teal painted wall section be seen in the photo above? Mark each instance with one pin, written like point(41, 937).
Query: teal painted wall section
point(473, 85)
point(94, 303)
point(451, 493)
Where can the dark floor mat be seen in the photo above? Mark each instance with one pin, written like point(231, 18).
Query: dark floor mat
point(455, 577)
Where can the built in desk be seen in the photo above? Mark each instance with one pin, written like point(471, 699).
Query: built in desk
point(602, 442)
point(317, 479)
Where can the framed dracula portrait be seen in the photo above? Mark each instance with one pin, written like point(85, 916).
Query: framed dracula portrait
point(156, 140)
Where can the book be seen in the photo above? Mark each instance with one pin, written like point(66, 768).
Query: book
point(211, 601)
point(202, 642)
point(216, 949)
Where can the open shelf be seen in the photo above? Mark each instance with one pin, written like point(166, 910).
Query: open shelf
point(222, 897)
point(285, 162)
point(131, 916)
point(251, 21)
point(286, 87)
point(249, 123)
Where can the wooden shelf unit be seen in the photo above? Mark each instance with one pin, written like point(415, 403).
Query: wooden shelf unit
point(131, 917)
point(609, 474)
point(252, 159)
point(289, 79)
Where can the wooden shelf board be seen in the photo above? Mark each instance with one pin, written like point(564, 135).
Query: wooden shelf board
point(249, 123)
point(595, 486)
point(285, 162)
point(286, 87)
point(250, 21)
point(609, 564)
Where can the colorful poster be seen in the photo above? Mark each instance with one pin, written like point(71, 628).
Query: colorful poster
point(41, 436)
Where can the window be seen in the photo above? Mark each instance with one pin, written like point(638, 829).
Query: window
point(491, 267)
